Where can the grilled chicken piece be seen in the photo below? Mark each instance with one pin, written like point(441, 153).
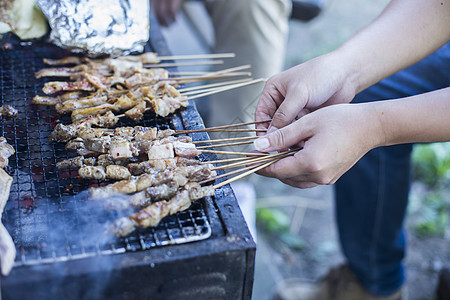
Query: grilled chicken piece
point(100, 145)
point(83, 113)
point(110, 190)
point(61, 72)
point(162, 191)
point(155, 212)
point(91, 133)
point(59, 86)
point(74, 104)
point(121, 148)
point(165, 133)
point(64, 133)
point(70, 60)
point(6, 150)
point(150, 166)
point(163, 151)
point(122, 227)
point(76, 162)
point(92, 172)
point(77, 145)
point(137, 112)
point(8, 112)
point(106, 120)
point(117, 172)
point(178, 176)
point(183, 149)
point(167, 105)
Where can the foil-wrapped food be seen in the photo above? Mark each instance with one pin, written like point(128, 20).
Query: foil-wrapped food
point(96, 27)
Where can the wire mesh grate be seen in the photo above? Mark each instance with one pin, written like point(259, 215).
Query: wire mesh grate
point(49, 214)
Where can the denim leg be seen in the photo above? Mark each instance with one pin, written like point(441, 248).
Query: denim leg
point(371, 198)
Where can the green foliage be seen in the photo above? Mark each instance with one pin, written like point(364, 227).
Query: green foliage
point(276, 222)
point(273, 220)
point(434, 216)
point(431, 163)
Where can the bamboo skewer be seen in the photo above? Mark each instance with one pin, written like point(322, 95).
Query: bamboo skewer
point(185, 64)
point(210, 91)
point(230, 70)
point(257, 159)
point(230, 74)
point(226, 174)
point(190, 79)
point(222, 127)
point(227, 88)
point(205, 86)
point(226, 160)
point(230, 130)
point(218, 91)
point(251, 171)
point(227, 140)
point(225, 145)
point(233, 153)
point(239, 170)
point(197, 56)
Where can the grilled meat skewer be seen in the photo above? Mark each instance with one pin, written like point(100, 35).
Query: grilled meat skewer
point(64, 133)
point(151, 215)
point(177, 176)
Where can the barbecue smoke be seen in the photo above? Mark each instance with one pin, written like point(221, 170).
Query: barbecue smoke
point(75, 230)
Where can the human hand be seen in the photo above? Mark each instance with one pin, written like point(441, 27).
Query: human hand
point(291, 94)
point(332, 139)
point(166, 10)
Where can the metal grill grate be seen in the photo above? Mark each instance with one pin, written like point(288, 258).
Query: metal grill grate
point(48, 213)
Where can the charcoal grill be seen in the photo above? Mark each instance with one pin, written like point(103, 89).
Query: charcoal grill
point(205, 252)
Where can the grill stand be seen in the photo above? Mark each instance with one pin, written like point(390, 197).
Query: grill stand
point(218, 267)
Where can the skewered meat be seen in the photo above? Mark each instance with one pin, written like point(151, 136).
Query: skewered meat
point(160, 165)
point(64, 133)
point(145, 58)
point(8, 112)
point(76, 162)
point(163, 151)
point(137, 112)
point(70, 60)
point(59, 86)
point(74, 104)
point(45, 100)
point(6, 150)
point(155, 212)
point(61, 72)
point(117, 172)
point(184, 149)
point(92, 172)
point(83, 113)
point(178, 176)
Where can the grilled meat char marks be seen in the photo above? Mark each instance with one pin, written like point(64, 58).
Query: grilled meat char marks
point(151, 215)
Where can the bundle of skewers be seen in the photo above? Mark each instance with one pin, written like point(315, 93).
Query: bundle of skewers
point(155, 172)
point(130, 85)
point(150, 172)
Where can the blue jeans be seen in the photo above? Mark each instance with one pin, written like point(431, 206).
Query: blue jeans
point(371, 198)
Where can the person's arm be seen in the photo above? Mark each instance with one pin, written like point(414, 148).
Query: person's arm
point(404, 33)
point(334, 138)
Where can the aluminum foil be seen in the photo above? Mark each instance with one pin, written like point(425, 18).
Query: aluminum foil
point(114, 27)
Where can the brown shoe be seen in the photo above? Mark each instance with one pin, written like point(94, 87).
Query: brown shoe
point(338, 284)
